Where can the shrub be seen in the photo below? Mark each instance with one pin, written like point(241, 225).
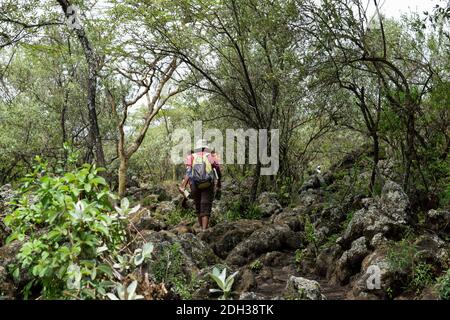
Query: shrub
point(256, 265)
point(168, 268)
point(422, 276)
point(68, 234)
point(443, 284)
point(402, 256)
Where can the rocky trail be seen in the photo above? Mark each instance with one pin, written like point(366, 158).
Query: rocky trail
point(313, 249)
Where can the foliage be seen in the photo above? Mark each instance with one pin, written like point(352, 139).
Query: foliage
point(444, 285)
point(225, 283)
point(168, 268)
point(68, 231)
point(310, 231)
point(242, 210)
point(402, 256)
point(125, 293)
point(256, 265)
point(178, 215)
point(422, 277)
point(299, 255)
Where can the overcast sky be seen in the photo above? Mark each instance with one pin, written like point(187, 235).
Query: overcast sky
point(395, 8)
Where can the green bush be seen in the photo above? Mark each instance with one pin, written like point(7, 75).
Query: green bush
point(402, 256)
point(168, 268)
point(443, 284)
point(178, 215)
point(256, 265)
point(422, 277)
point(239, 210)
point(68, 233)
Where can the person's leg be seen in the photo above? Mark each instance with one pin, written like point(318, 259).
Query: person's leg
point(205, 221)
point(196, 196)
point(206, 206)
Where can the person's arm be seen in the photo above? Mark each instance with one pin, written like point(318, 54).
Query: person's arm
point(185, 180)
point(216, 167)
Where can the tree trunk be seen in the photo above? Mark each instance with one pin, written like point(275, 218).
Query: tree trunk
point(94, 131)
point(410, 133)
point(376, 158)
point(123, 176)
point(255, 183)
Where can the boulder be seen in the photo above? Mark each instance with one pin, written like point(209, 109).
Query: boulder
point(196, 253)
point(310, 197)
point(6, 194)
point(277, 259)
point(291, 217)
point(268, 204)
point(224, 236)
point(7, 287)
point(270, 238)
point(433, 250)
point(394, 202)
point(438, 220)
point(376, 264)
point(325, 261)
point(378, 240)
point(8, 253)
point(314, 182)
point(150, 223)
point(350, 261)
point(244, 281)
point(165, 208)
point(303, 289)
point(430, 293)
point(388, 215)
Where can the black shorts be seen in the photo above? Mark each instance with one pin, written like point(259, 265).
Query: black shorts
point(203, 199)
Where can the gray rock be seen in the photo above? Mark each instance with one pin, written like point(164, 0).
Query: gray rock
point(325, 261)
point(350, 261)
point(150, 223)
point(291, 217)
point(224, 236)
point(268, 204)
point(7, 287)
point(394, 202)
point(378, 240)
point(390, 282)
point(196, 254)
point(270, 238)
point(245, 281)
point(251, 296)
point(165, 207)
point(388, 215)
point(303, 289)
point(433, 250)
point(438, 220)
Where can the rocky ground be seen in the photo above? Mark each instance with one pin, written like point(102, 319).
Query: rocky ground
point(313, 249)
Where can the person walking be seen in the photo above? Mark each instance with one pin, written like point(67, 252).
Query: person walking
point(204, 176)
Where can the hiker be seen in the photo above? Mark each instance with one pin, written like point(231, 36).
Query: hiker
point(202, 173)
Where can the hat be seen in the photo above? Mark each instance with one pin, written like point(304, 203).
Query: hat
point(201, 144)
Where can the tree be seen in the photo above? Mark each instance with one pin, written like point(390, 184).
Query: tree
point(93, 67)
